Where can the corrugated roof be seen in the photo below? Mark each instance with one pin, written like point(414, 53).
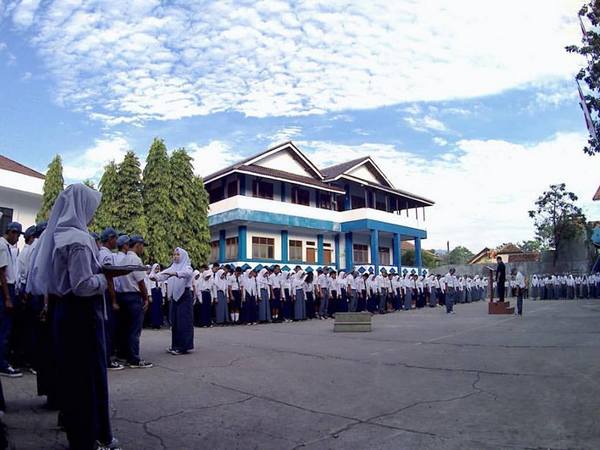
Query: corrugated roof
point(268, 172)
point(13, 166)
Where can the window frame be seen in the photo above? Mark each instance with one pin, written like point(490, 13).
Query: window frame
point(294, 243)
point(355, 251)
point(260, 243)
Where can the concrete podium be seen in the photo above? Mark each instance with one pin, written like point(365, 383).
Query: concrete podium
point(500, 308)
point(349, 322)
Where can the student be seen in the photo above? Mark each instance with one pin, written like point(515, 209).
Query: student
point(180, 275)
point(380, 283)
point(520, 286)
point(333, 291)
point(106, 257)
point(323, 291)
point(264, 294)
point(156, 293)
point(408, 292)
point(235, 295)
point(286, 298)
point(8, 281)
point(310, 294)
point(31, 306)
point(342, 286)
point(299, 294)
point(372, 291)
point(351, 282)
point(220, 297)
point(65, 267)
point(133, 302)
point(204, 287)
point(249, 308)
point(450, 290)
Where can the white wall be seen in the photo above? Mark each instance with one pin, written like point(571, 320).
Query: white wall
point(25, 206)
point(364, 173)
point(20, 182)
point(284, 161)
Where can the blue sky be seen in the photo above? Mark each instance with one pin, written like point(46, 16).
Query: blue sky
point(475, 108)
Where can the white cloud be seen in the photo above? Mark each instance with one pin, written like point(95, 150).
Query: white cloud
point(284, 134)
point(90, 163)
point(147, 59)
point(440, 141)
point(211, 157)
point(425, 123)
point(482, 189)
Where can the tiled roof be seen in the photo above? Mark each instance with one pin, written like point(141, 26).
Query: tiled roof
point(338, 169)
point(260, 170)
point(508, 248)
point(13, 166)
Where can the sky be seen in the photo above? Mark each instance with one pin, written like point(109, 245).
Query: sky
point(471, 104)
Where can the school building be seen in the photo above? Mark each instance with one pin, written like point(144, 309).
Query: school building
point(279, 207)
point(20, 193)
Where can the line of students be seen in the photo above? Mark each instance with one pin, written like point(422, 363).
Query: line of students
point(224, 295)
point(565, 286)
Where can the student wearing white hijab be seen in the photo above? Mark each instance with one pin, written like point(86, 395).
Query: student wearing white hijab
point(156, 311)
point(264, 294)
point(220, 286)
point(286, 297)
point(342, 287)
point(65, 266)
point(250, 292)
point(204, 291)
point(299, 297)
point(180, 275)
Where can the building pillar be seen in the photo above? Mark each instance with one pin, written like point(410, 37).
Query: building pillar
point(222, 245)
point(337, 251)
point(242, 242)
point(418, 261)
point(348, 249)
point(397, 249)
point(320, 252)
point(283, 191)
point(375, 250)
point(284, 247)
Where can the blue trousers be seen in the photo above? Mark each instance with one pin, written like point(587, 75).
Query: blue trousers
point(5, 326)
point(450, 299)
point(324, 307)
point(131, 319)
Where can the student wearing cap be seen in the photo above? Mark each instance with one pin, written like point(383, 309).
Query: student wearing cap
point(65, 267)
point(180, 275)
point(8, 282)
point(107, 257)
point(132, 299)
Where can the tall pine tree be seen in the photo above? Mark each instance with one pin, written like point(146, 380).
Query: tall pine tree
point(53, 185)
point(129, 214)
point(106, 215)
point(157, 202)
point(189, 221)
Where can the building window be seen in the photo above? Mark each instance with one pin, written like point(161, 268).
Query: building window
point(232, 188)
point(327, 254)
point(380, 205)
point(215, 194)
point(263, 248)
point(214, 251)
point(300, 196)
point(295, 250)
point(360, 253)
point(340, 202)
point(325, 200)
point(231, 248)
point(262, 189)
point(384, 256)
point(358, 202)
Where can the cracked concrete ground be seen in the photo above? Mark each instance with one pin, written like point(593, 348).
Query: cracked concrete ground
point(421, 379)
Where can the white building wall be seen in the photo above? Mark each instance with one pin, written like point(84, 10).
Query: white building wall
point(24, 205)
point(285, 162)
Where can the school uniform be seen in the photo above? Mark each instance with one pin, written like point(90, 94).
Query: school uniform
point(220, 293)
point(409, 287)
point(299, 296)
point(309, 293)
point(334, 296)
point(276, 281)
point(450, 282)
point(420, 303)
point(323, 288)
point(249, 311)
point(352, 285)
point(264, 296)
point(235, 300)
point(435, 292)
point(342, 286)
point(520, 286)
point(286, 299)
point(8, 260)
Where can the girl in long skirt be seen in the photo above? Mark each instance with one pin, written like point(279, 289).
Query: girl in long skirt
point(249, 311)
point(64, 266)
point(156, 308)
point(264, 303)
point(286, 299)
point(205, 296)
point(342, 304)
point(309, 291)
point(220, 287)
point(180, 275)
point(299, 297)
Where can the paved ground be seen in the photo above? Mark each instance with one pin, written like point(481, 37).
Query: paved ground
point(421, 379)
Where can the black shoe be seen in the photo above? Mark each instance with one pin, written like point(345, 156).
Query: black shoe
point(141, 364)
point(10, 372)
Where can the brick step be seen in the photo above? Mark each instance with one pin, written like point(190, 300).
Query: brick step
point(500, 308)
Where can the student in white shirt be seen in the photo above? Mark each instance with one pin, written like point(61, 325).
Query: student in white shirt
point(520, 287)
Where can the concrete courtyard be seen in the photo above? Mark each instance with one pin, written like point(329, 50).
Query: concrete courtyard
point(421, 379)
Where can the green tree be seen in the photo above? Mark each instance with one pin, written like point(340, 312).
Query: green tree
point(106, 215)
point(428, 259)
point(53, 185)
point(532, 245)
point(189, 223)
point(590, 49)
point(556, 217)
point(89, 183)
point(129, 213)
point(459, 255)
point(157, 203)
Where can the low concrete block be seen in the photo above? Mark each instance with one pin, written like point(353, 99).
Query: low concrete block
point(352, 322)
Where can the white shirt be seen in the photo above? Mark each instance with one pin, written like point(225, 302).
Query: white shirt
point(23, 263)
point(276, 280)
point(520, 280)
point(8, 259)
point(129, 282)
point(105, 256)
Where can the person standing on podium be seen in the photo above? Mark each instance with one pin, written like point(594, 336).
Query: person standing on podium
point(500, 278)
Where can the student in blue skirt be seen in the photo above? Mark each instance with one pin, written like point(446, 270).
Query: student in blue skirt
point(249, 294)
point(156, 307)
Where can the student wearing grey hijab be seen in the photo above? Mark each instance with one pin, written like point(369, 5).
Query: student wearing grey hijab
point(65, 266)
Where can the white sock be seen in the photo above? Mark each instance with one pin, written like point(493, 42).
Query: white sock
point(237, 316)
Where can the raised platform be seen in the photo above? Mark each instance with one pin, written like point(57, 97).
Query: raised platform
point(352, 322)
point(500, 308)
